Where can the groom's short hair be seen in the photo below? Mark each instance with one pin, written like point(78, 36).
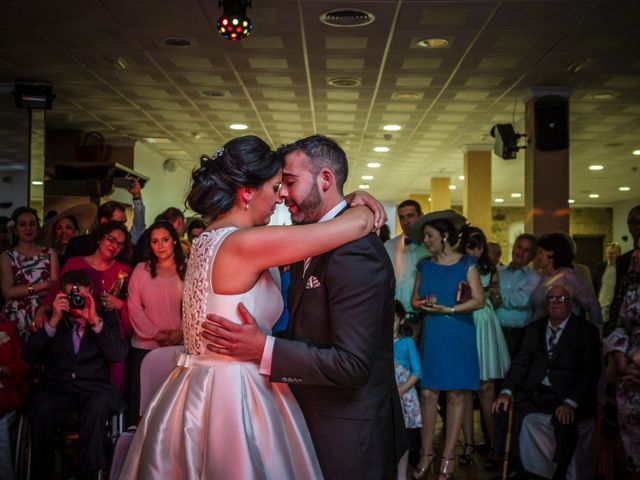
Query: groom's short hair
point(321, 152)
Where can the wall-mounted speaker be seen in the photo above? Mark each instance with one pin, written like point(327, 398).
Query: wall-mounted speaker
point(552, 122)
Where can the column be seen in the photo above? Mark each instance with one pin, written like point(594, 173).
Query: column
point(546, 188)
point(423, 200)
point(440, 193)
point(476, 205)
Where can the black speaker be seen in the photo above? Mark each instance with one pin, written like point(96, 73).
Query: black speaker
point(552, 122)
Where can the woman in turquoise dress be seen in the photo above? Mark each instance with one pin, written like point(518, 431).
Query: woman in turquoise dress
point(449, 355)
point(493, 353)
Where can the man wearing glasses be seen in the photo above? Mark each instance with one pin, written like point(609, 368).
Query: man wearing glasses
point(555, 372)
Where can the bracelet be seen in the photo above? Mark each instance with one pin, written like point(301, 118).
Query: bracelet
point(453, 310)
point(30, 290)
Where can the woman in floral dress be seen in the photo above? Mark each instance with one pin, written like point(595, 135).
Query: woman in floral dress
point(624, 345)
point(28, 271)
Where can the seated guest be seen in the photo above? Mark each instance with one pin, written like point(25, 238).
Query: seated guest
point(517, 283)
point(75, 348)
point(155, 304)
point(13, 370)
point(555, 262)
point(555, 372)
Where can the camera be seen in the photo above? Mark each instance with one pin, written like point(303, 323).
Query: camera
point(76, 300)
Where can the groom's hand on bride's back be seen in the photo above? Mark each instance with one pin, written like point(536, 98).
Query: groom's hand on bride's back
point(244, 341)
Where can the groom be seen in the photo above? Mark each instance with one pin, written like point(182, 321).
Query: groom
point(338, 350)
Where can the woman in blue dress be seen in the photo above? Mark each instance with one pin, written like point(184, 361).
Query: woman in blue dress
point(448, 350)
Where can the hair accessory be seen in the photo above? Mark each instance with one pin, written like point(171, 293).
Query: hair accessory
point(11, 224)
point(218, 153)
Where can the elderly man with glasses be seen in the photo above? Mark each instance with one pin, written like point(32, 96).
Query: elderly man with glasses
point(555, 372)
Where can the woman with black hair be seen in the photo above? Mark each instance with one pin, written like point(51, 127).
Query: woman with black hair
point(155, 304)
point(493, 354)
point(554, 262)
point(448, 289)
point(217, 416)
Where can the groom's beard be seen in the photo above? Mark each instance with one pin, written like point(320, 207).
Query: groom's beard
point(308, 208)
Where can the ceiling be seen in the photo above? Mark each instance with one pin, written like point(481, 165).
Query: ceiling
point(276, 81)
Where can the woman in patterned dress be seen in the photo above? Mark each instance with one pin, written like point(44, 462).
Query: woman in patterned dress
point(624, 346)
point(28, 271)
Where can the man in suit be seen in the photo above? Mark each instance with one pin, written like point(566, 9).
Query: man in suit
point(555, 372)
point(338, 350)
point(604, 279)
point(75, 348)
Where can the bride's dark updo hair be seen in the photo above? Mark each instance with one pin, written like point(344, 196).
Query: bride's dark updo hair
point(243, 162)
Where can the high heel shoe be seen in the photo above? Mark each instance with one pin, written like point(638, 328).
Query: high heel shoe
point(466, 457)
point(425, 465)
point(446, 465)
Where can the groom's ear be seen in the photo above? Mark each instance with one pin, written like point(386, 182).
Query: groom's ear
point(327, 180)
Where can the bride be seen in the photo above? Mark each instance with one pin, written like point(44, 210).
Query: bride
point(216, 417)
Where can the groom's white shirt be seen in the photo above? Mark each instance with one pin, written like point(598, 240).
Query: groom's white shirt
point(267, 352)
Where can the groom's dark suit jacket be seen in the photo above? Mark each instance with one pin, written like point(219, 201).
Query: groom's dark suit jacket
point(338, 356)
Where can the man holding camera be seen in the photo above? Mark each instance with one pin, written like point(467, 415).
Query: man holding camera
point(74, 348)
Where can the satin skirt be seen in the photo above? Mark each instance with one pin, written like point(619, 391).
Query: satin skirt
point(221, 419)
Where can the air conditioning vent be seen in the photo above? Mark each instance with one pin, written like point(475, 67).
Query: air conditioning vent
point(347, 17)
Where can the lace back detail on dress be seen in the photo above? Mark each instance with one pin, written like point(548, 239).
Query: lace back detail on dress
point(197, 285)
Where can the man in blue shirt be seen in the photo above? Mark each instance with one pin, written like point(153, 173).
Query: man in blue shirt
point(517, 283)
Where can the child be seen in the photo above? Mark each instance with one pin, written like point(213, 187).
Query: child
point(408, 372)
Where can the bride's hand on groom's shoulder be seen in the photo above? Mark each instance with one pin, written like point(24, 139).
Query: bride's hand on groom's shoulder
point(244, 341)
point(360, 197)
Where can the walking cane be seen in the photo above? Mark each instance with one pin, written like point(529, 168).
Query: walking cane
point(507, 447)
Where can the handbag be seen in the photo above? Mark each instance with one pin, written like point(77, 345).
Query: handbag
point(463, 293)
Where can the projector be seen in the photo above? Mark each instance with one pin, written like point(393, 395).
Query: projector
point(506, 141)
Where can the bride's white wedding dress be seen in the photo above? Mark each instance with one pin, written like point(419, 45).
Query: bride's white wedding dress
point(216, 417)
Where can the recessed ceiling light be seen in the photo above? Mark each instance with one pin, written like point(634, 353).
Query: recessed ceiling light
point(392, 128)
point(433, 43)
point(238, 126)
point(516, 195)
point(157, 140)
point(602, 96)
point(452, 187)
point(498, 200)
point(624, 189)
point(347, 17)
point(176, 42)
point(345, 82)
point(636, 152)
point(374, 165)
point(37, 183)
point(596, 167)
point(196, 135)
point(594, 195)
point(381, 149)
point(570, 201)
point(212, 93)
point(429, 199)
point(363, 186)
point(461, 177)
point(118, 63)
point(407, 96)
point(367, 177)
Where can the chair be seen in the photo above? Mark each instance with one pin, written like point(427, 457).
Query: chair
point(156, 367)
point(537, 444)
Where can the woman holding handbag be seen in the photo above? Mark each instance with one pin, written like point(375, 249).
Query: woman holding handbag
point(448, 289)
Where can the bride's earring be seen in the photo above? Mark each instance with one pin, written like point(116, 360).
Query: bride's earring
point(246, 206)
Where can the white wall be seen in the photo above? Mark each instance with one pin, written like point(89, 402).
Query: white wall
point(164, 189)
point(620, 229)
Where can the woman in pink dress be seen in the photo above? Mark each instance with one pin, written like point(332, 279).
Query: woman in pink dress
point(155, 304)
